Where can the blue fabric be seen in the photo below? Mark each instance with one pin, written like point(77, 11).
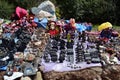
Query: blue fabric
point(52, 12)
point(7, 35)
point(106, 34)
point(15, 40)
point(36, 19)
point(42, 23)
point(67, 21)
point(3, 68)
point(89, 28)
point(80, 27)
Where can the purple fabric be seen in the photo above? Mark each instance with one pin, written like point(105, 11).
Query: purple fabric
point(61, 67)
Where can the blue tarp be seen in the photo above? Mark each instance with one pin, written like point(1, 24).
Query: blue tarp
point(67, 21)
point(42, 23)
point(89, 28)
point(80, 27)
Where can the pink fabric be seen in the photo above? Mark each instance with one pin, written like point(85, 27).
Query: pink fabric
point(21, 12)
point(93, 33)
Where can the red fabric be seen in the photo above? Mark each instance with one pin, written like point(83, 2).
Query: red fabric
point(34, 24)
point(53, 32)
point(69, 27)
point(21, 12)
point(115, 34)
point(104, 39)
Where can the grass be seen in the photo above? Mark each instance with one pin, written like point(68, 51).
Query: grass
point(117, 28)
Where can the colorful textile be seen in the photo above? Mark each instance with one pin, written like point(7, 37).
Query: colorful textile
point(21, 12)
point(104, 26)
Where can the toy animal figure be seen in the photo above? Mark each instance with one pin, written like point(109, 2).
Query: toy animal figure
point(71, 26)
point(108, 58)
point(53, 29)
point(68, 37)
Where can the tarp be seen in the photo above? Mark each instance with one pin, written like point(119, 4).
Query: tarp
point(80, 27)
point(104, 26)
point(67, 21)
point(45, 10)
point(47, 6)
point(89, 28)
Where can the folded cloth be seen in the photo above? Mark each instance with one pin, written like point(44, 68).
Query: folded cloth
point(14, 76)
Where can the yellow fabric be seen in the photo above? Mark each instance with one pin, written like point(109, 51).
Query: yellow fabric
point(104, 26)
point(68, 37)
point(57, 28)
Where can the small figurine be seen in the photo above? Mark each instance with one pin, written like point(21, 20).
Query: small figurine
point(53, 29)
point(108, 58)
point(71, 26)
point(68, 37)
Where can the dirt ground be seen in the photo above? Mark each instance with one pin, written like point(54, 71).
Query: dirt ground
point(96, 73)
point(1, 75)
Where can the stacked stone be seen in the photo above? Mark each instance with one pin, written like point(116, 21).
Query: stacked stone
point(50, 53)
point(62, 56)
point(87, 57)
point(54, 50)
point(79, 54)
point(46, 55)
point(38, 42)
point(36, 47)
point(70, 52)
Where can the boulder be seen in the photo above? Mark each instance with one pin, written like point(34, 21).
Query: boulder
point(45, 10)
point(26, 78)
point(38, 76)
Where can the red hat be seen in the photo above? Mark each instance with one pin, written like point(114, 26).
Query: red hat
point(51, 22)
